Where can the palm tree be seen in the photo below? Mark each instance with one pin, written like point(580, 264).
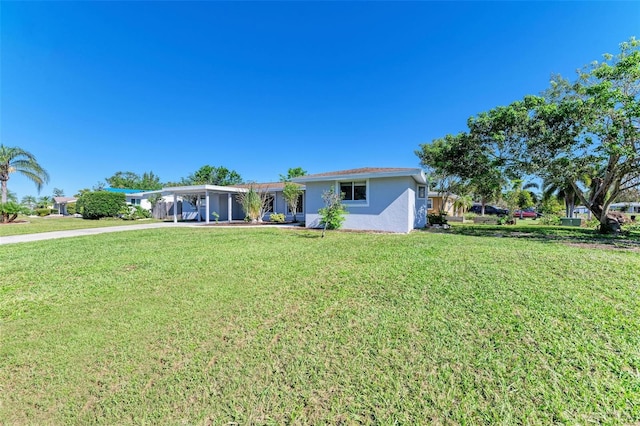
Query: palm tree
point(14, 159)
point(29, 201)
point(462, 204)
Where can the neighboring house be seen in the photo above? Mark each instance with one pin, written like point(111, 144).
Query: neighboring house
point(133, 197)
point(377, 199)
point(436, 200)
point(60, 204)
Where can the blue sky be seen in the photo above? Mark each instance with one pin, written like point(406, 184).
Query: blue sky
point(92, 88)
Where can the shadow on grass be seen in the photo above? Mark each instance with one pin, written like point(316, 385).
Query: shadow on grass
point(569, 235)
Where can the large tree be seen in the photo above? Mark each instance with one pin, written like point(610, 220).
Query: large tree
point(17, 160)
point(591, 128)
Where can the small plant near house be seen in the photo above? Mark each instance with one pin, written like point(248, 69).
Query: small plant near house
point(277, 217)
point(332, 215)
point(437, 218)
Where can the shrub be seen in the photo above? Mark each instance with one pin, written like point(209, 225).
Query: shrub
point(134, 213)
point(333, 212)
point(99, 204)
point(550, 220)
point(9, 211)
point(277, 217)
point(42, 212)
point(437, 219)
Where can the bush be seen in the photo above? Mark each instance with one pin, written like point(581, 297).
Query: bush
point(550, 220)
point(134, 213)
point(277, 217)
point(333, 213)
point(437, 219)
point(470, 216)
point(99, 204)
point(9, 211)
point(42, 212)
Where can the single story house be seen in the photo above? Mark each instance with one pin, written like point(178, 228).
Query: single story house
point(377, 199)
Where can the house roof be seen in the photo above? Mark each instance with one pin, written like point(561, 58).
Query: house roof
point(366, 173)
point(272, 186)
point(59, 200)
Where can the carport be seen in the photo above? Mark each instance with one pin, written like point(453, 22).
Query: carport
point(206, 191)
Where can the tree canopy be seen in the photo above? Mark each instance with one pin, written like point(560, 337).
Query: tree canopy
point(17, 160)
point(130, 180)
point(582, 134)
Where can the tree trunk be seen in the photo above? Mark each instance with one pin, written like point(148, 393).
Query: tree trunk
point(4, 190)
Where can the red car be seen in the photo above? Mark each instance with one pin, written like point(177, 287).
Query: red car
point(526, 214)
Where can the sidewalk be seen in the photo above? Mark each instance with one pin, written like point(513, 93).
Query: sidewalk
point(12, 239)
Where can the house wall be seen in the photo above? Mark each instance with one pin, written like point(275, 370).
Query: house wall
point(437, 203)
point(391, 205)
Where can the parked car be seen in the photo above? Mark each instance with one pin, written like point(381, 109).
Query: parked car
point(526, 214)
point(493, 210)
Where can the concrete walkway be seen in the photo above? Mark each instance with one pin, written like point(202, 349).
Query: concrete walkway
point(12, 239)
point(90, 231)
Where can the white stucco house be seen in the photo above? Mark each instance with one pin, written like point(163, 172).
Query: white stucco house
point(377, 199)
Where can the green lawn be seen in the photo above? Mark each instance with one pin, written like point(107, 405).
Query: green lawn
point(33, 225)
point(270, 326)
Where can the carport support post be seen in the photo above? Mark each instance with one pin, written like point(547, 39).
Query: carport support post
point(229, 207)
point(175, 208)
point(206, 202)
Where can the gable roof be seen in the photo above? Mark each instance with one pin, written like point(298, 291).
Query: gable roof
point(366, 173)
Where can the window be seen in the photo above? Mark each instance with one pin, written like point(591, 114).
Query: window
point(429, 203)
point(354, 191)
point(422, 191)
point(299, 207)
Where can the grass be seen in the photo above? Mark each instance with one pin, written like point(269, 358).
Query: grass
point(34, 225)
point(267, 326)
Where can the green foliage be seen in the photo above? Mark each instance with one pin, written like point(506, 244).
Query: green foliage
point(130, 180)
point(332, 215)
point(437, 219)
point(293, 173)
point(253, 203)
point(10, 210)
point(99, 204)
point(17, 160)
point(550, 219)
point(551, 206)
point(134, 213)
point(277, 217)
point(42, 211)
point(291, 194)
point(210, 175)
